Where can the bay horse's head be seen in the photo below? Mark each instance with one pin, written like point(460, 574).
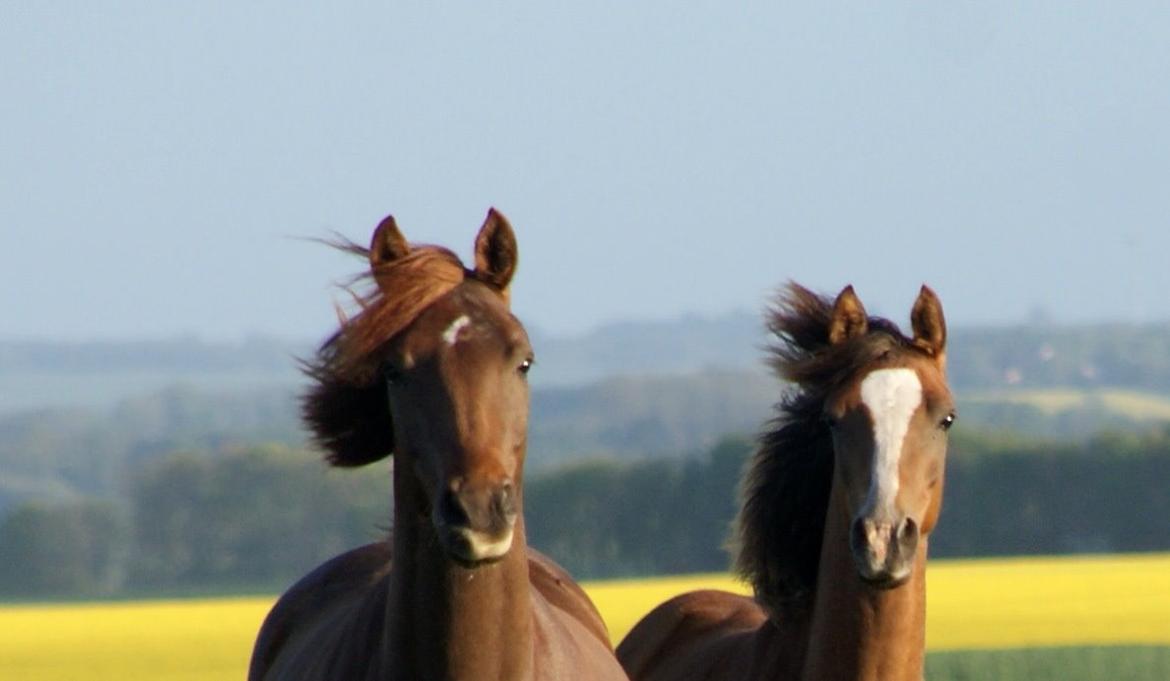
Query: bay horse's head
point(433, 369)
point(889, 417)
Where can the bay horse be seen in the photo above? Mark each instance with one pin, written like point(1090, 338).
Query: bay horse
point(838, 503)
point(433, 370)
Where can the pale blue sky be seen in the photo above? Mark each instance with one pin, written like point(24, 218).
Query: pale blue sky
point(655, 158)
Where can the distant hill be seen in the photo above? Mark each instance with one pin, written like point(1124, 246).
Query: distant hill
point(45, 374)
point(101, 374)
point(646, 416)
point(1048, 356)
point(681, 346)
point(37, 375)
point(78, 419)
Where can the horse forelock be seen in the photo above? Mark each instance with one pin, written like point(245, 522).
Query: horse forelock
point(346, 408)
point(403, 289)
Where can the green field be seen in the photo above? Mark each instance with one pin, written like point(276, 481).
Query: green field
point(1070, 619)
point(1132, 404)
point(1103, 663)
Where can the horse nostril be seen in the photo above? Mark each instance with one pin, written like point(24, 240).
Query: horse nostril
point(487, 508)
point(452, 510)
point(907, 530)
point(505, 499)
point(907, 538)
point(858, 536)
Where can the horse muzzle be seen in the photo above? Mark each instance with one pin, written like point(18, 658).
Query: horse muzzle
point(476, 523)
point(883, 551)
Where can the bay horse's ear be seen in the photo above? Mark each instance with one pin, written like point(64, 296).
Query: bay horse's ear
point(387, 244)
point(930, 328)
point(849, 319)
point(495, 251)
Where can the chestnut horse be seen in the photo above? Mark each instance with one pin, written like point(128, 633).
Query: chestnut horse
point(838, 503)
point(433, 370)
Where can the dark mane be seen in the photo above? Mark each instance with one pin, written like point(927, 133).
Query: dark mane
point(785, 492)
point(346, 408)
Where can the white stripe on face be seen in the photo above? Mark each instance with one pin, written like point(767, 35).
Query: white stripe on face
point(451, 335)
point(892, 396)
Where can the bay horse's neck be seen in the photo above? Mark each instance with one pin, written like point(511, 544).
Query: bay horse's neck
point(448, 622)
point(858, 632)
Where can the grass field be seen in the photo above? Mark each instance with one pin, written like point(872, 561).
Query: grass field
point(1082, 618)
point(1096, 663)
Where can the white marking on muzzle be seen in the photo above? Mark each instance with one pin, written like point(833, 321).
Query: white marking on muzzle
point(892, 396)
point(451, 335)
point(481, 547)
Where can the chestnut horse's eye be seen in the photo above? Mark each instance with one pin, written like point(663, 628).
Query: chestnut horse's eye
point(525, 366)
point(948, 421)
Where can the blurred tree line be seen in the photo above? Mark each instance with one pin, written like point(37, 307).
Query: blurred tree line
point(60, 455)
point(250, 518)
point(256, 518)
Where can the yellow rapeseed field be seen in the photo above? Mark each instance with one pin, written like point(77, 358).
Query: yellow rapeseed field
point(972, 604)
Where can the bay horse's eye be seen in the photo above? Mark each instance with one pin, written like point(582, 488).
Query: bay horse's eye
point(525, 366)
point(948, 421)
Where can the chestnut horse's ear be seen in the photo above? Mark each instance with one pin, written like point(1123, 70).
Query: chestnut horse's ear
point(495, 251)
point(849, 319)
point(387, 244)
point(930, 328)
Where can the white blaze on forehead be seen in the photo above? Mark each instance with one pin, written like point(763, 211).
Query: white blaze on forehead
point(451, 335)
point(892, 396)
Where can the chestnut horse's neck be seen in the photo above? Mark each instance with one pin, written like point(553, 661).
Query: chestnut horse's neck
point(858, 632)
point(449, 622)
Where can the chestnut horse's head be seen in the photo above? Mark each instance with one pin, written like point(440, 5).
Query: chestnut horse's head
point(864, 423)
point(889, 419)
point(433, 369)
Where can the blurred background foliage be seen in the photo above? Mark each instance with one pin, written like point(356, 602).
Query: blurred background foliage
point(1063, 447)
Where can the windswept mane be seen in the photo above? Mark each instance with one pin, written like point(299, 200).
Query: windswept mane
point(346, 408)
point(785, 492)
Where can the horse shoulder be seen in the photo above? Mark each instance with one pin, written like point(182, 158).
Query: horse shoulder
point(569, 635)
point(555, 585)
point(696, 635)
point(319, 600)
